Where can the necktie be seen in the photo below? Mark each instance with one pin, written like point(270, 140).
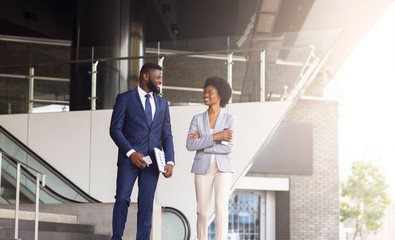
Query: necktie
point(148, 110)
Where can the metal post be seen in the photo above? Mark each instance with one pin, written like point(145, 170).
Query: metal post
point(270, 215)
point(37, 203)
point(9, 111)
point(1, 160)
point(230, 63)
point(31, 88)
point(18, 181)
point(160, 63)
point(158, 52)
point(263, 76)
point(93, 90)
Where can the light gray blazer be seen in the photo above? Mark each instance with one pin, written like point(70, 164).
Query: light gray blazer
point(205, 146)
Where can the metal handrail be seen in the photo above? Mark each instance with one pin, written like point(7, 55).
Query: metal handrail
point(183, 54)
point(94, 62)
point(39, 176)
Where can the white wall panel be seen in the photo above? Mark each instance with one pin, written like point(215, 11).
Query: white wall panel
point(103, 161)
point(63, 140)
point(255, 121)
point(16, 124)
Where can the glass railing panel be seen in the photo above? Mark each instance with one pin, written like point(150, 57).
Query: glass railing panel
point(183, 84)
point(27, 185)
point(10, 147)
point(221, 44)
point(283, 68)
point(54, 182)
point(118, 68)
point(239, 69)
point(14, 92)
point(17, 54)
point(51, 88)
point(8, 171)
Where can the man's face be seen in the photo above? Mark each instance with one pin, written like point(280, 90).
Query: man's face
point(155, 80)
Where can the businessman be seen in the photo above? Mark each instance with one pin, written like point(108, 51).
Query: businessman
point(140, 122)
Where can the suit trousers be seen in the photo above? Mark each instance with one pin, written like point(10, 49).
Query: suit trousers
point(147, 182)
point(204, 185)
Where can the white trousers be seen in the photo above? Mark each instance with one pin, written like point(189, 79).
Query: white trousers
point(204, 185)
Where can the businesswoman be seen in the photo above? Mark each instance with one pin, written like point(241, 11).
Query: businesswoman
point(211, 135)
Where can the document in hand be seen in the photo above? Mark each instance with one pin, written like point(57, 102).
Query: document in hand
point(160, 159)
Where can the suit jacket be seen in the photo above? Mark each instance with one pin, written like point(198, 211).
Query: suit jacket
point(129, 128)
point(205, 146)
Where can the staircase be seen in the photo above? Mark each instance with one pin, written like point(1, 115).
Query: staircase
point(70, 222)
point(49, 231)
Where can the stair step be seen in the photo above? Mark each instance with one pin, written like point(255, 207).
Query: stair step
point(50, 235)
point(43, 217)
point(47, 226)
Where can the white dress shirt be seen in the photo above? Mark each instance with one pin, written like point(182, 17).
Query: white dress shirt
point(142, 94)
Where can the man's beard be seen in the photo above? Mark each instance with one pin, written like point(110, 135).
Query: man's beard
point(153, 87)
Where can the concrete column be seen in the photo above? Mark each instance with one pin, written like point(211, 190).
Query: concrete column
point(270, 215)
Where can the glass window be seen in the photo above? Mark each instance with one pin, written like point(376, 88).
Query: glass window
point(244, 217)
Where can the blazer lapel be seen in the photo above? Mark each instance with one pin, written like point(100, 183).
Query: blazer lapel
point(218, 127)
point(138, 104)
point(218, 123)
point(206, 124)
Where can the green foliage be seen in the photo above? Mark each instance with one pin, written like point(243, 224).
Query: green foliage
point(364, 196)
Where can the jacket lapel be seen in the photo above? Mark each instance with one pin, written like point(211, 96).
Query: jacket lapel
point(218, 127)
point(218, 123)
point(138, 104)
point(206, 124)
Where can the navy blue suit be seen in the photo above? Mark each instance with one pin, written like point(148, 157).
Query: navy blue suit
point(129, 130)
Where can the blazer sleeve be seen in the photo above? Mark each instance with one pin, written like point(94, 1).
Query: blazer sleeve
point(167, 137)
point(219, 148)
point(116, 126)
point(199, 143)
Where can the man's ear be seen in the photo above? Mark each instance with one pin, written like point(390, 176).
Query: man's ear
point(146, 76)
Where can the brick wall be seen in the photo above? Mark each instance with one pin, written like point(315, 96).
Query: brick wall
point(314, 200)
point(282, 215)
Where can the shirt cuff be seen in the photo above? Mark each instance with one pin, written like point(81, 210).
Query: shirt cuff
point(130, 152)
point(170, 162)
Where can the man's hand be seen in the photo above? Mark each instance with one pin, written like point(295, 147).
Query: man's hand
point(168, 170)
point(137, 160)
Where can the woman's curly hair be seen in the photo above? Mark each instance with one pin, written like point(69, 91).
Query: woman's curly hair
point(223, 88)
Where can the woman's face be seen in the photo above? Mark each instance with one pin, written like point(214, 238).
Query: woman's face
point(210, 96)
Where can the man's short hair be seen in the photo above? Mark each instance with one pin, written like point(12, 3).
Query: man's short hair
point(148, 66)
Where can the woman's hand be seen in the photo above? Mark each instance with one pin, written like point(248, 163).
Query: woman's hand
point(194, 135)
point(225, 135)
